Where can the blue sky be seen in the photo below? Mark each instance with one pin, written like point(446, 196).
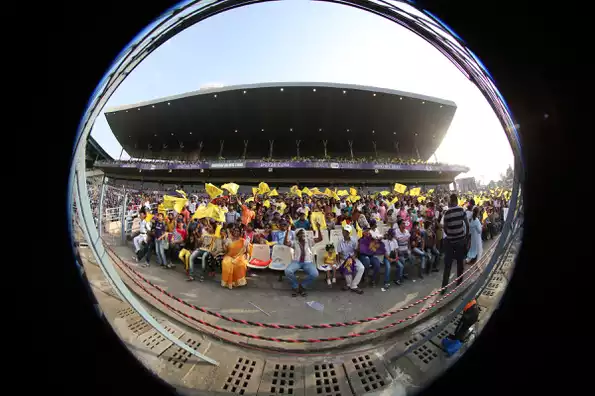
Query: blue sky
point(298, 40)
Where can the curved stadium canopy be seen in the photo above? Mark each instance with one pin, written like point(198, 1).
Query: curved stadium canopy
point(284, 112)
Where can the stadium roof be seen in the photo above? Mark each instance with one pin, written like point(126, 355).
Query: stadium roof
point(95, 152)
point(283, 112)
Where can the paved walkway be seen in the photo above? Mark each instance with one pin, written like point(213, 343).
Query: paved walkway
point(264, 292)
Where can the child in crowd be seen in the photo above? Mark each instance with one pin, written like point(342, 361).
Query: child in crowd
point(330, 260)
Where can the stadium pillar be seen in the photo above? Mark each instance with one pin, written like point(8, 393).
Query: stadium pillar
point(396, 144)
point(324, 142)
point(200, 144)
point(123, 217)
point(271, 144)
point(351, 147)
point(121, 152)
point(297, 147)
point(221, 144)
point(375, 151)
point(100, 210)
point(245, 149)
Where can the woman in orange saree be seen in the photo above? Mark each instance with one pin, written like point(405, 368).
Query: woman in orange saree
point(233, 268)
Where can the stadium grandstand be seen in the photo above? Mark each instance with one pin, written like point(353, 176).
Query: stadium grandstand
point(284, 133)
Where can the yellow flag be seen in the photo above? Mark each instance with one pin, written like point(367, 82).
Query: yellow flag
point(414, 191)
point(431, 190)
point(254, 190)
point(273, 193)
point(263, 188)
point(181, 192)
point(421, 198)
point(161, 209)
point(353, 198)
point(485, 215)
point(400, 188)
point(270, 243)
point(266, 204)
point(359, 230)
point(213, 191)
point(335, 196)
point(318, 217)
point(342, 193)
point(344, 223)
point(251, 199)
point(352, 191)
point(179, 205)
point(294, 190)
point(307, 191)
point(149, 217)
point(316, 191)
point(384, 193)
point(201, 213)
point(328, 192)
point(461, 202)
point(218, 231)
point(215, 212)
point(231, 187)
point(306, 211)
point(282, 206)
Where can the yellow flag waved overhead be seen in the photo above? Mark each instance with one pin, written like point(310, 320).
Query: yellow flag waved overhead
point(179, 205)
point(316, 191)
point(461, 202)
point(273, 193)
point(296, 191)
point(421, 198)
point(254, 190)
point(149, 217)
point(352, 191)
point(358, 229)
point(328, 192)
point(394, 201)
point(342, 193)
point(431, 190)
point(201, 213)
point(251, 199)
point(318, 217)
point(400, 188)
point(231, 187)
point(384, 193)
point(175, 203)
point(182, 193)
point(485, 215)
point(215, 212)
point(282, 206)
point(353, 198)
point(263, 188)
point(414, 192)
point(335, 196)
point(307, 191)
point(266, 204)
point(161, 209)
point(213, 190)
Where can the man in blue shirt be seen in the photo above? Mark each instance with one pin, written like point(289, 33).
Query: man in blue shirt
point(302, 222)
point(279, 236)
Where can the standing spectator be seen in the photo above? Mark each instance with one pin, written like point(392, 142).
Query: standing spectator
point(160, 234)
point(247, 213)
point(456, 229)
point(476, 244)
point(141, 238)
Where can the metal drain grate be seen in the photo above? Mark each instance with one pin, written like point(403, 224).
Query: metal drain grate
point(368, 374)
point(155, 341)
point(283, 380)
point(413, 340)
point(178, 358)
point(138, 326)
point(425, 355)
point(488, 293)
point(498, 278)
point(327, 383)
point(240, 376)
point(126, 312)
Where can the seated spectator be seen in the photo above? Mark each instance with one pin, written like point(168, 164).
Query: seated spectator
point(234, 265)
point(302, 222)
point(303, 258)
point(430, 247)
point(374, 230)
point(391, 256)
point(403, 239)
point(330, 260)
point(279, 236)
point(368, 248)
point(351, 268)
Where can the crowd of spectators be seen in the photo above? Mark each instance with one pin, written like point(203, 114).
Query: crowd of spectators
point(355, 160)
point(403, 234)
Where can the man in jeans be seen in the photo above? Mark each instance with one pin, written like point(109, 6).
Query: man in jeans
point(303, 258)
point(160, 241)
point(456, 230)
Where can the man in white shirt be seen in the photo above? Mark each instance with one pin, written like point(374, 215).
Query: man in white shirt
point(142, 237)
point(350, 266)
point(403, 238)
point(303, 258)
point(391, 255)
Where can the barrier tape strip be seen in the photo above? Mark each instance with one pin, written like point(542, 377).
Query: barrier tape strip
point(301, 340)
point(301, 327)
